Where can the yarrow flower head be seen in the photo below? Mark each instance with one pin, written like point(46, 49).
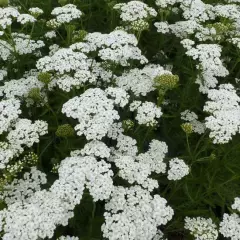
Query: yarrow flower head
point(94, 111)
point(177, 169)
point(135, 10)
point(35, 11)
point(9, 113)
point(140, 81)
point(147, 112)
point(201, 228)
point(7, 15)
point(25, 18)
point(192, 124)
point(67, 13)
point(224, 108)
point(117, 47)
point(132, 213)
point(230, 226)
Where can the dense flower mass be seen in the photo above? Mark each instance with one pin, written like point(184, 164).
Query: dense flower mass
point(201, 228)
point(119, 120)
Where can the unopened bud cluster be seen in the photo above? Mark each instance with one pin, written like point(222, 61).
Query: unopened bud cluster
point(187, 128)
point(35, 94)
point(44, 77)
point(128, 124)
point(65, 130)
point(166, 81)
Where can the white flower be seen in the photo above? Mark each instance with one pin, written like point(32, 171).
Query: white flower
point(63, 61)
point(132, 170)
point(67, 238)
point(201, 228)
point(67, 13)
point(187, 43)
point(35, 11)
point(117, 46)
point(66, 82)
point(230, 11)
point(25, 18)
point(94, 148)
point(132, 213)
point(6, 154)
point(20, 88)
point(44, 210)
point(230, 226)
point(135, 10)
point(50, 34)
point(115, 130)
point(23, 45)
point(21, 190)
point(210, 65)
point(119, 96)
point(183, 29)
point(9, 112)
point(3, 74)
point(126, 145)
point(177, 169)
point(165, 3)
point(94, 111)
point(192, 118)
point(197, 10)
point(53, 49)
point(224, 108)
point(147, 113)
point(140, 81)
point(236, 204)
point(162, 27)
point(155, 156)
point(26, 133)
point(7, 15)
point(137, 168)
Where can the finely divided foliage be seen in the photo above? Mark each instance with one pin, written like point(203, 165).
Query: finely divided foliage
point(119, 120)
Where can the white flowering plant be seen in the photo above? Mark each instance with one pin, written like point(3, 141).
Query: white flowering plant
point(119, 120)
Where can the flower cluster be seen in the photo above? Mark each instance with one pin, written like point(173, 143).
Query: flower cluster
point(66, 13)
point(201, 228)
point(224, 108)
point(126, 216)
point(147, 112)
point(94, 111)
point(178, 169)
point(192, 119)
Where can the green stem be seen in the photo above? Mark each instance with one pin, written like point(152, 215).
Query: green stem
point(92, 217)
point(188, 147)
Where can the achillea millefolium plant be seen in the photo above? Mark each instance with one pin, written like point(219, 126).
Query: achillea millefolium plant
point(119, 120)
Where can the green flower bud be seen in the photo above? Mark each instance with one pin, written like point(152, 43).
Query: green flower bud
point(35, 94)
point(65, 130)
point(187, 128)
point(31, 158)
point(139, 25)
point(55, 168)
point(44, 77)
point(53, 23)
point(166, 81)
point(128, 124)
